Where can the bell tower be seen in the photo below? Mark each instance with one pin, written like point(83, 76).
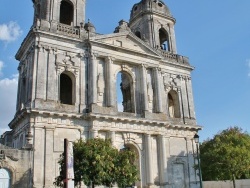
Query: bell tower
point(68, 12)
point(152, 21)
point(51, 84)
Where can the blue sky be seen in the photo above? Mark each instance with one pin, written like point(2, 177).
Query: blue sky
point(214, 34)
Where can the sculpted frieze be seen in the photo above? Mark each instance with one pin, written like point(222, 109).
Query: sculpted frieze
point(171, 81)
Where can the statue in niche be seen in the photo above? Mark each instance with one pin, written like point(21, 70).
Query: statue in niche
point(150, 95)
point(170, 106)
point(100, 87)
point(126, 93)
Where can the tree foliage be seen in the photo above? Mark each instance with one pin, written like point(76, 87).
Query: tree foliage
point(226, 156)
point(97, 162)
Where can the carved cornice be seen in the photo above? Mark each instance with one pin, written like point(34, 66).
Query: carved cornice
point(140, 125)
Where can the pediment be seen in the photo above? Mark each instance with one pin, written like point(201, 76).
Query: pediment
point(125, 41)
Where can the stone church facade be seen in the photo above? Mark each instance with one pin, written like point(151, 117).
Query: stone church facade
point(67, 88)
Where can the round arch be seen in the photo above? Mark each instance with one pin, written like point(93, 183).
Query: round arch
point(5, 178)
point(164, 39)
point(173, 104)
point(67, 88)
point(11, 172)
point(66, 12)
point(125, 91)
point(135, 148)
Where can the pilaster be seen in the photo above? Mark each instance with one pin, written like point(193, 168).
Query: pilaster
point(149, 176)
point(190, 97)
point(109, 82)
point(93, 79)
point(180, 102)
point(144, 87)
point(49, 158)
point(93, 133)
point(162, 160)
point(157, 88)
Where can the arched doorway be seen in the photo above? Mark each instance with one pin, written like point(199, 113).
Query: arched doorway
point(4, 178)
point(132, 147)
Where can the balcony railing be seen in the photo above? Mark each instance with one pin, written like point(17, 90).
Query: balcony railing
point(174, 57)
point(68, 30)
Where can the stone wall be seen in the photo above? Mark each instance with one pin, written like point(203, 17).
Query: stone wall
point(18, 164)
point(226, 184)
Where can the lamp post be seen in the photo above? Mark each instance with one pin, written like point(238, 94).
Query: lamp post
point(196, 140)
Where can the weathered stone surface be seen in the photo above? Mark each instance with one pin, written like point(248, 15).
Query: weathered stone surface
point(67, 89)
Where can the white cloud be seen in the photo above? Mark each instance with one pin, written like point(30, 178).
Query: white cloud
point(10, 32)
point(8, 93)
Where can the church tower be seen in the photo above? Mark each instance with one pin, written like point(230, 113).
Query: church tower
point(71, 81)
point(69, 12)
point(152, 21)
point(51, 85)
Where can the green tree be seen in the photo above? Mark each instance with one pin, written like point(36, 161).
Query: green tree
point(97, 162)
point(126, 171)
point(226, 156)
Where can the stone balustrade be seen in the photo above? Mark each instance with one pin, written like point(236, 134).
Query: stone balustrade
point(174, 57)
point(55, 27)
point(68, 30)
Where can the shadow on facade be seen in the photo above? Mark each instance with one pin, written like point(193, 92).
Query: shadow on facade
point(24, 181)
point(180, 171)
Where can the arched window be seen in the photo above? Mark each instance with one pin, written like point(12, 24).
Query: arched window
point(125, 94)
point(4, 178)
point(138, 34)
point(164, 39)
point(66, 89)
point(66, 12)
point(173, 105)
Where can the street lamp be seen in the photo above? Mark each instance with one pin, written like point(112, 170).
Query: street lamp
point(196, 140)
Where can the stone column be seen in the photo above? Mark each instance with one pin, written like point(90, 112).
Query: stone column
point(162, 160)
point(157, 89)
point(144, 87)
point(39, 157)
point(51, 76)
point(109, 82)
point(34, 72)
point(41, 74)
point(180, 102)
point(93, 79)
point(94, 133)
point(184, 97)
point(172, 40)
point(18, 103)
point(82, 81)
point(190, 97)
point(149, 177)
point(48, 10)
point(112, 137)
